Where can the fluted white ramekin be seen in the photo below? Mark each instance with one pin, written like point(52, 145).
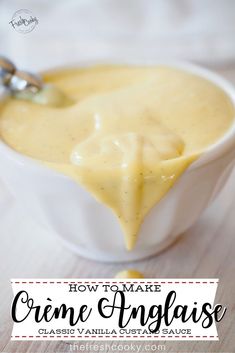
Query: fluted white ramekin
point(89, 227)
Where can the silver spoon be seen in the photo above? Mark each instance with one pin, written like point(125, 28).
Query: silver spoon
point(25, 85)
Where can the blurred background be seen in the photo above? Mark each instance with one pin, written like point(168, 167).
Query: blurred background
point(76, 30)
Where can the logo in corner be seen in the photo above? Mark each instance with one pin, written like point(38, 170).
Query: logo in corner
point(23, 21)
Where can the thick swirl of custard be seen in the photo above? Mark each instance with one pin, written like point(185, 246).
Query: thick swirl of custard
point(128, 136)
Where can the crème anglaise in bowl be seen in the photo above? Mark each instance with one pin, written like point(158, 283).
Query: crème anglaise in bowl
point(130, 164)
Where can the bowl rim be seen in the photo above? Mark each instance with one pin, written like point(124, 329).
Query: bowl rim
point(214, 151)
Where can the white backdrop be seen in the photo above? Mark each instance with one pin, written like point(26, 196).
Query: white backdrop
point(72, 30)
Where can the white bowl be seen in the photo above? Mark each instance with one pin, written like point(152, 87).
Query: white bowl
point(89, 227)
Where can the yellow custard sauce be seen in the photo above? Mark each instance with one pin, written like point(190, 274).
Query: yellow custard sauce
point(128, 136)
point(129, 274)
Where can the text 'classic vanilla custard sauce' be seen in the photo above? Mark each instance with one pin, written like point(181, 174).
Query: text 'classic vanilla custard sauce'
point(130, 134)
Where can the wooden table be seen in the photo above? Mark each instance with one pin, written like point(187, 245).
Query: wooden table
point(206, 250)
